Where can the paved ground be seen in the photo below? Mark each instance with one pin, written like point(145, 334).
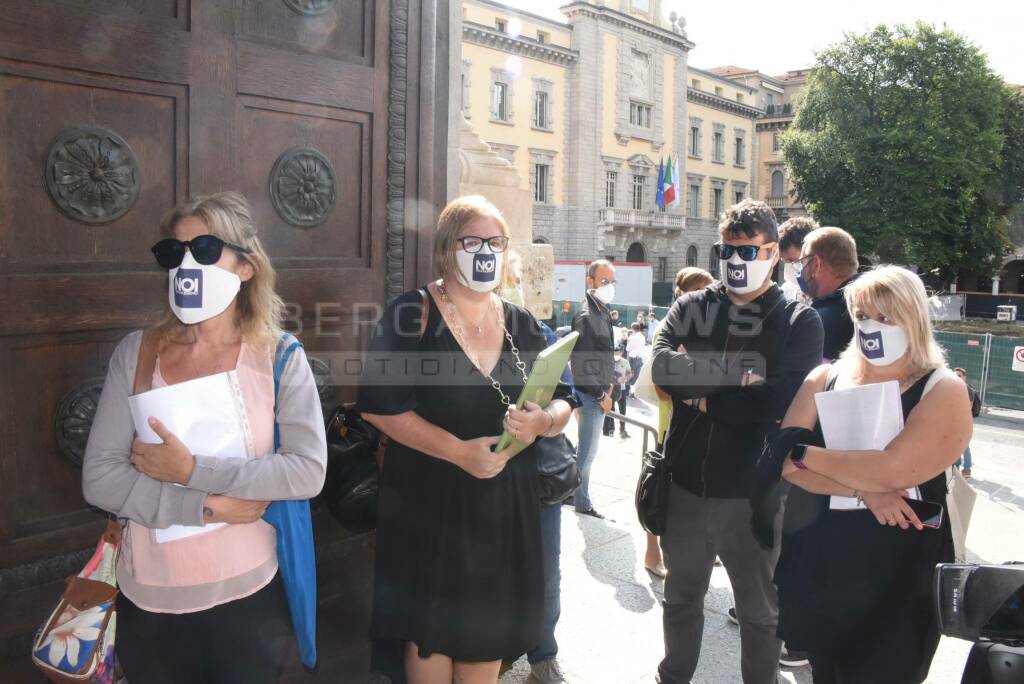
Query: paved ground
point(610, 630)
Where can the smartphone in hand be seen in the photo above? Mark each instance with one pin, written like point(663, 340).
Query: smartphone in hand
point(928, 512)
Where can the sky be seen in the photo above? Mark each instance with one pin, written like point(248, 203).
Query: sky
point(776, 37)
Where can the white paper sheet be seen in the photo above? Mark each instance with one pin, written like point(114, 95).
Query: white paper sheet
point(859, 418)
point(206, 414)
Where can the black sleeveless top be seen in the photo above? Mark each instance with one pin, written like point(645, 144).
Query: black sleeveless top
point(847, 582)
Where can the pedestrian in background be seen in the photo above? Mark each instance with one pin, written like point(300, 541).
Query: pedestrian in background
point(791, 241)
point(593, 373)
point(965, 461)
point(623, 375)
point(635, 344)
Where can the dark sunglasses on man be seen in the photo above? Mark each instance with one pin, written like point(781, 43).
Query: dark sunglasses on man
point(746, 252)
point(206, 250)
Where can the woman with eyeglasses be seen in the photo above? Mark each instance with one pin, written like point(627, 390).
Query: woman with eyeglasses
point(459, 577)
point(209, 606)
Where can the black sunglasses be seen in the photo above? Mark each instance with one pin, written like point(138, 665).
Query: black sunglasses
point(746, 252)
point(206, 250)
point(474, 243)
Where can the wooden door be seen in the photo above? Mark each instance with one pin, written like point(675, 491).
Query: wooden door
point(113, 111)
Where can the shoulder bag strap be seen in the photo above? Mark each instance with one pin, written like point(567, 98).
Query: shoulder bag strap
point(286, 346)
point(424, 310)
point(146, 364)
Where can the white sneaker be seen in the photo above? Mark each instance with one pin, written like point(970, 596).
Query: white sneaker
point(546, 672)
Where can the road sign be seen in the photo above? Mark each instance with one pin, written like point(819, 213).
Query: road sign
point(1018, 359)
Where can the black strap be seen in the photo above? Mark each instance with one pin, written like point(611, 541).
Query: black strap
point(424, 310)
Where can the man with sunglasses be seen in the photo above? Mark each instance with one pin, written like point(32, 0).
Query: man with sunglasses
point(593, 372)
point(732, 357)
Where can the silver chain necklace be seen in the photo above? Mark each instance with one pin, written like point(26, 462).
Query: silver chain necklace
point(461, 338)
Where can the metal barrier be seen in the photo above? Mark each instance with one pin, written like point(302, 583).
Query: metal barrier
point(989, 361)
point(648, 429)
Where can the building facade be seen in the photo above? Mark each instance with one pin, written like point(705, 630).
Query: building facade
point(776, 97)
point(721, 154)
point(588, 109)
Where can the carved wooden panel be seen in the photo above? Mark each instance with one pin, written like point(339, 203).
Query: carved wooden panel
point(47, 503)
point(332, 28)
point(129, 107)
point(60, 116)
point(324, 150)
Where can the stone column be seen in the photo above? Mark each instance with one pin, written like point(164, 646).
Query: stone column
point(995, 284)
point(483, 172)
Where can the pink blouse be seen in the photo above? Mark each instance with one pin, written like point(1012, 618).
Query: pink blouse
point(232, 562)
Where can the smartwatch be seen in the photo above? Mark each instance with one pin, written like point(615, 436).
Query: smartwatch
point(797, 456)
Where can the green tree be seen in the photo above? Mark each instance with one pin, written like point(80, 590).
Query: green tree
point(905, 137)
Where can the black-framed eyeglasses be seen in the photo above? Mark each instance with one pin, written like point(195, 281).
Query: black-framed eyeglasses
point(746, 252)
point(605, 281)
point(206, 250)
point(474, 243)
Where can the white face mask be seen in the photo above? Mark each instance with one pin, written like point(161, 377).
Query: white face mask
point(480, 271)
point(606, 293)
point(742, 276)
point(789, 273)
point(879, 343)
point(197, 293)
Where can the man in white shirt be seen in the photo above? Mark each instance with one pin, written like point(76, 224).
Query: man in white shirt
point(635, 349)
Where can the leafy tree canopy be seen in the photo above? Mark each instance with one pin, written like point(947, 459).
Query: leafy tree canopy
point(905, 138)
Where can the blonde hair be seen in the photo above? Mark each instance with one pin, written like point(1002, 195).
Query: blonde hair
point(459, 213)
point(228, 216)
point(512, 259)
point(691, 278)
point(899, 295)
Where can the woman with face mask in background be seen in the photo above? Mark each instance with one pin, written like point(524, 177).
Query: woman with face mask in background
point(459, 575)
point(882, 627)
point(207, 607)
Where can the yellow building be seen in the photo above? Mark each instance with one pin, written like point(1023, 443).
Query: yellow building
point(777, 93)
point(513, 81)
point(720, 165)
point(585, 109)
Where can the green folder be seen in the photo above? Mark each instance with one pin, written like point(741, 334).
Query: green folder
point(540, 386)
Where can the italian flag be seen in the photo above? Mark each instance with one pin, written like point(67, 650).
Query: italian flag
point(671, 184)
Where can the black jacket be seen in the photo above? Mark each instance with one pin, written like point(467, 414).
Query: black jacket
point(713, 454)
point(592, 358)
point(835, 319)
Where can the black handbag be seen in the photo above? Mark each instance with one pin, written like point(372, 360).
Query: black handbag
point(558, 474)
point(652, 492)
point(353, 471)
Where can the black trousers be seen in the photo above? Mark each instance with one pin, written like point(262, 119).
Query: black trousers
point(619, 398)
point(240, 642)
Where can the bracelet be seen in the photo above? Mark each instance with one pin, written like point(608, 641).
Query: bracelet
point(547, 432)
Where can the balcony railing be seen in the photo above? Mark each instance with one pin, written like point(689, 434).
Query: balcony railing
point(644, 219)
point(778, 110)
point(775, 202)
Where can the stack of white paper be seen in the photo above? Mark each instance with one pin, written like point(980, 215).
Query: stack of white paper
point(206, 414)
point(860, 418)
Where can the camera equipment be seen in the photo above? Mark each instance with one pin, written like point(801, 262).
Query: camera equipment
point(984, 604)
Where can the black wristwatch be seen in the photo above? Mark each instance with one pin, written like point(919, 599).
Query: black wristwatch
point(797, 456)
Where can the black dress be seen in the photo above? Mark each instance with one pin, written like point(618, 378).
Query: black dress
point(857, 595)
point(458, 565)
